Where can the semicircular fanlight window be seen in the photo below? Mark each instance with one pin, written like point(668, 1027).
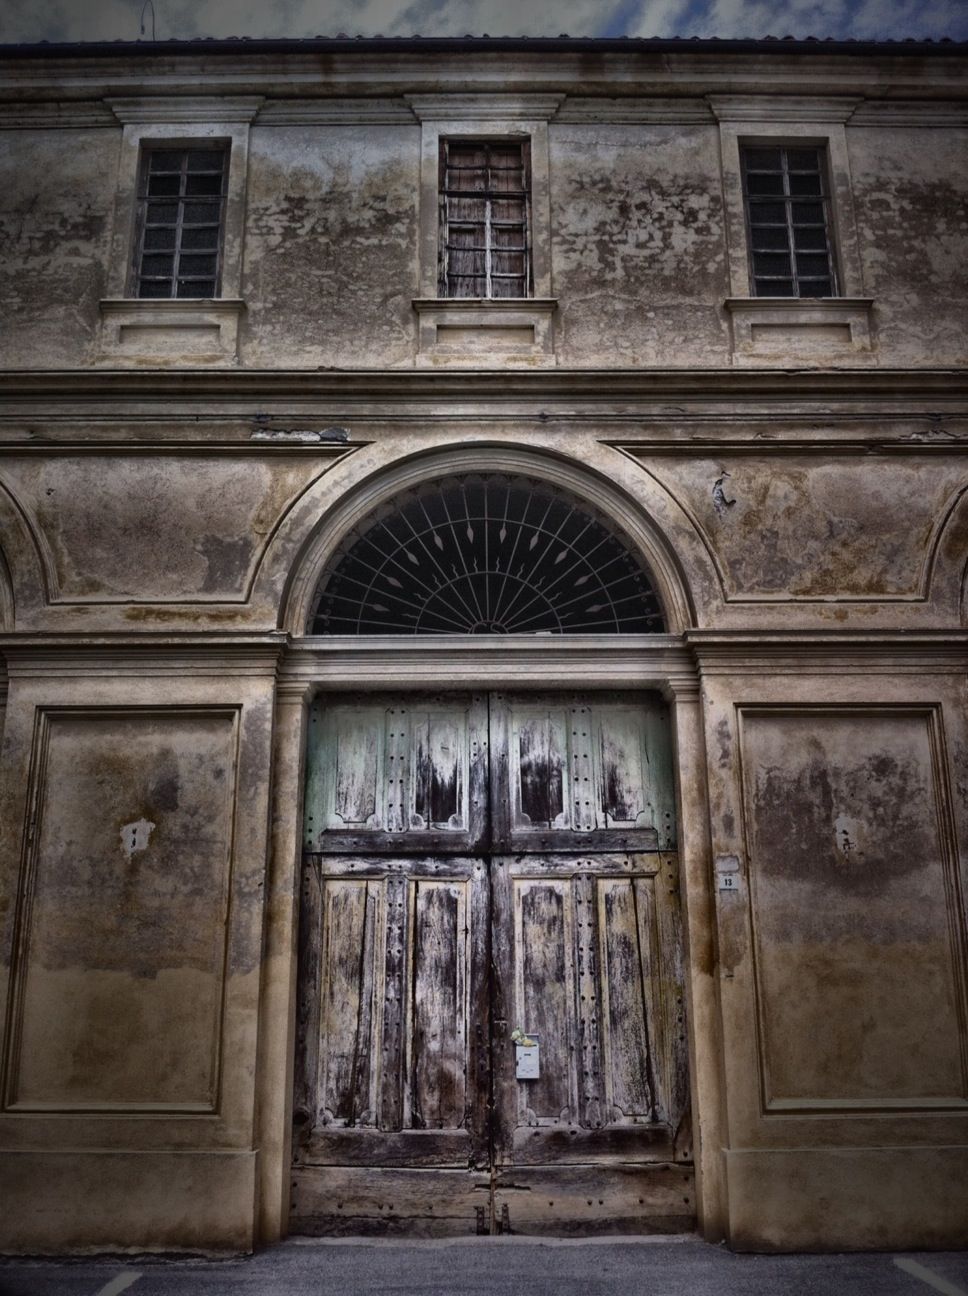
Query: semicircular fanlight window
point(486, 554)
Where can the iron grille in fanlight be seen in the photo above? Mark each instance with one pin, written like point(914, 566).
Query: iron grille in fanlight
point(486, 553)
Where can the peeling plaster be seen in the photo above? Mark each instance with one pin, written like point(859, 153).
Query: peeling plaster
point(136, 836)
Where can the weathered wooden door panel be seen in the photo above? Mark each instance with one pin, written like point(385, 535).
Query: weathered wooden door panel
point(421, 951)
point(582, 773)
point(590, 1200)
point(392, 1036)
point(398, 775)
point(347, 1201)
point(585, 955)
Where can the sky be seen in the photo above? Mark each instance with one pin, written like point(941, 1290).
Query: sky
point(84, 20)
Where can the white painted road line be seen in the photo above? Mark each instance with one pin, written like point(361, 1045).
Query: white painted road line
point(121, 1283)
point(932, 1279)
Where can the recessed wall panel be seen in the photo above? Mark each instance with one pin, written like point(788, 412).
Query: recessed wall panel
point(856, 919)
point(120, 970)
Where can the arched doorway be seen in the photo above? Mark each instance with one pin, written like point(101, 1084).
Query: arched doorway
point(490, 1010)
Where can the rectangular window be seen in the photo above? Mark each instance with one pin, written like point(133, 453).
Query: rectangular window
point(484, 218)
point(788, 222)
point(181, 204)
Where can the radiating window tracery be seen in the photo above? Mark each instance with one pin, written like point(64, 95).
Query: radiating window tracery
point(486, 553)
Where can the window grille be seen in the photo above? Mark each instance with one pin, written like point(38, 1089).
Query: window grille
point(182, 207)
point(484, 216)
point(486, 554)
point(788, 217)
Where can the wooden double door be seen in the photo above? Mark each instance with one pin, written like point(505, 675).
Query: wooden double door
point(479, 868)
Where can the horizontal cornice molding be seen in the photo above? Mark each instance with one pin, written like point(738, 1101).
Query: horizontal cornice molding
point(724, 652)
point(56, 114)
point(175, 109)
point(492, 661)
point(520, 67)
point(634, 110)
point(601, 386)
point(912, 112)
point(484, 107)
point(350, 111)
point(781, 108)
point(389, 110)
point(31, 655)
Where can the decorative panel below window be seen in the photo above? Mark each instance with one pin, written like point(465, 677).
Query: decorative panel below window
point(486, 554)
point(182, 206)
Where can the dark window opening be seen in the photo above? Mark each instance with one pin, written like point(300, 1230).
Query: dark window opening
point(487, 553)
point(484, 219)
point(788, 221)
point(181, 210)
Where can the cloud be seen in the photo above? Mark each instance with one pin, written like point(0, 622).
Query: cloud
point(85, 20)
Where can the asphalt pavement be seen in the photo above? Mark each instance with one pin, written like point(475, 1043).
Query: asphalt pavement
point(497, 1267)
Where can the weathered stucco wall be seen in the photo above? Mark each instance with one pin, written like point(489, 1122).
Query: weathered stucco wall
point(56, 199)
point(331, 246)
point(837, 790)
point(911, 197)
point(638, 248)
point(125, 530)
point(131, 947)
point(798, 527)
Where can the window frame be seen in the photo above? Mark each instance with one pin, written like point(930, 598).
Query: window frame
point(488, 194)
point(166, 330)
point(471, 331)
point(138, 249)
point(778, 331)
point(770, 121)
point(787, 198)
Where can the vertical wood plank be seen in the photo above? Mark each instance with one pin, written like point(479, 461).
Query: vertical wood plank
point(544, 957)
point(394, 1006)
point(588, 1005)
point(362, 1099)
point(398, 777)
point(439, 747)
point(504, 998)
point(356, 766)
point(585, 793)
point(345, 985)
point(308, 996)
point(624, 970)
point(447, 785)
point(478, 1097)
point(478, 775)
point(539, 761)
point(314, 802)
point(499, 792)
point(672, 1014)
point(621, 790)
point(439, 1007)
point(660, 771)
point(650, 951)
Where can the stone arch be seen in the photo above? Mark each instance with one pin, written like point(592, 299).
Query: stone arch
point(604, 497)
point(24, 575)
point(7, 606)
point(946, 565)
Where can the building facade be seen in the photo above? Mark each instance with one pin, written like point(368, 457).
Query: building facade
point(484, 536)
